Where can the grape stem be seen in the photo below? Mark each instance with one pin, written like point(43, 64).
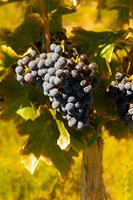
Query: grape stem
point(46, 24)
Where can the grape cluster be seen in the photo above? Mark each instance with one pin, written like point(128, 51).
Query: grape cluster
point(121, 91)
point(68, 83)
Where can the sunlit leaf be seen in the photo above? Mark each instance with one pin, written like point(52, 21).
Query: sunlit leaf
point(27, 112)
point(43, 135)
point(64, 139)
point(25, 35)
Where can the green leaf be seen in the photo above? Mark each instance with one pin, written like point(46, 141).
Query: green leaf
point(118, 129)
point(64, 138)
point(107, 52)
point(26, 35)
point(43, 135)
point(27, 112)
point(15, 96)
point(91, 42)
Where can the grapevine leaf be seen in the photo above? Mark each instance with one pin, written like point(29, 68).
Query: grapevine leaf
point(118, 129)
point(102, 101)
point(15, 96)
point(107, 52)
point(123, 9)
point(64, 138)
point(30, 32)
point(91, 46)
point(27, 112)
point(43, 135)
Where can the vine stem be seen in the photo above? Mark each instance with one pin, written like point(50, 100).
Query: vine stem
point(92, 186)
point(46, 24)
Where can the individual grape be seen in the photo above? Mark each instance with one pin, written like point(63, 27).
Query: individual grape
point(47, 77)
point(68, 89)
point(48, 62)
point(80, 125)
point(44, 70)
point(65, 84)
point(43, 56)
point(25, 60)
point(40, 72)
point(119, 76)
point(78, 105)
point(129, 92)
point(74, 73)
point(66, 73)
point(59, 72)
point(128, 85)
point(19, 70)
point(55, 57)
point(54, 92)
point(76, 86)
point(62, 61)
point(20, 62)
point(130, 111)
point(84, 58)
point(51, 79)
point(48, 87)
point(57, 81)
point(88, 89)
point(32, 65)
point(28, 77)
point(51, 71)
point(34, 73)
point(72, 122)
point(70, 62)
point(55, 104)
point(79, 66)
point(33, 53)
point(83, 83)
point(64, 95)
point(20, 78)
point(93, 66)
point(58, 49)
point(41, 63)
point(49, 55)
point(71, 99)
point(69, 106)
point(52, 47)
point(80, 93)
point(57, 65)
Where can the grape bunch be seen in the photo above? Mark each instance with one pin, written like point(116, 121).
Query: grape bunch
point(121, 90)
point(68, 82)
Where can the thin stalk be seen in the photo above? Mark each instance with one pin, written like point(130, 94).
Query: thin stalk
point(46, 24)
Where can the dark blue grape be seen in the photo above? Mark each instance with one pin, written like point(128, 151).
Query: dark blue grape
point(54, 92)
point(28, 77)
point(57, 81)
point(52, 47)
point(43, 55)
point(55, 104)
point(58, 49)
point(19, 70)
point(33, 53)
point(69, 106)
point(72, 122)
point(55, 57)
point(41, 63)
point(51, 71)
point(32, 65)
point(25, 60)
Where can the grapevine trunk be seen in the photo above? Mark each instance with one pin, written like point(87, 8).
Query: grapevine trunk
point(92, 187)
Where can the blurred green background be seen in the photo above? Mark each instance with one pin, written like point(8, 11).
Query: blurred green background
point(16, 183)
